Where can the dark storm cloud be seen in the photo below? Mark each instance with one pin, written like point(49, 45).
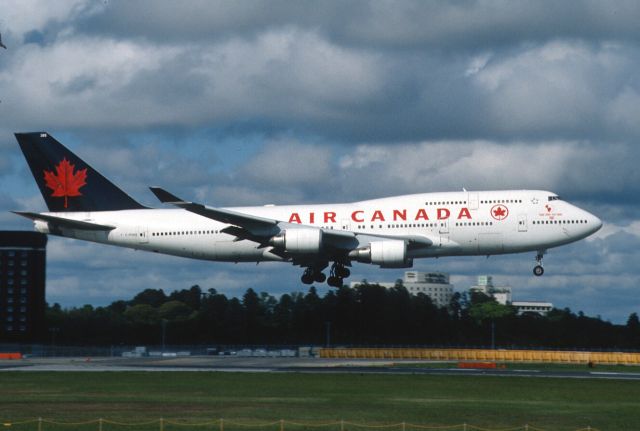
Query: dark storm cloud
point(466, 70)
point(377, 25)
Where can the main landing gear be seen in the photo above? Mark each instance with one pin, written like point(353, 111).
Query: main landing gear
point(337, 275)
point(313, 274)
point(538, 270)
point(336, 278)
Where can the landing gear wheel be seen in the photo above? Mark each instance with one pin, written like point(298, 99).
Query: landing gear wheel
point(312, 274)
point(539, 270)
point(334, 281)
point(307, 278)
point(337, 274)
point(342, 272)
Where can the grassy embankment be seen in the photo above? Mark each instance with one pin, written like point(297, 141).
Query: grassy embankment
point(484, 401)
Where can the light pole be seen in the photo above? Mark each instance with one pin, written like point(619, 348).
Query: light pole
point(164, 330)
point(328, 325)
point(493, 335)
point(53, 331)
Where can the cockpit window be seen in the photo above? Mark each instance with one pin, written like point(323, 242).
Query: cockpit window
point(554, 198)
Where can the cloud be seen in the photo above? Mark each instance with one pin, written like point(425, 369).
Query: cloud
point(283, 162)
point(610, 229)
point(73, 265)
point(236, 103)
point(53, 90)
point(580, 170)
point(134, 83)
point(384, 25)
point(469, 25)
point(561, 88)
point(284, 171)
point(315, 74)
point(21, 18)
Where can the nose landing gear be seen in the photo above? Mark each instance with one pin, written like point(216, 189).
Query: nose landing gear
point(538, 270)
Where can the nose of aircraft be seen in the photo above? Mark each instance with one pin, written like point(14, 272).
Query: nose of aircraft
point(594, 223)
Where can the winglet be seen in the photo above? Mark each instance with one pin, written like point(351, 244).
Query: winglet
point(165, 197)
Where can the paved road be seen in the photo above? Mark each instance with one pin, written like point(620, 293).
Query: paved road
point(288, 365)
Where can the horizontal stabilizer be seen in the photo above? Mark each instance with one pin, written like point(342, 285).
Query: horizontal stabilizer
point(65, 222)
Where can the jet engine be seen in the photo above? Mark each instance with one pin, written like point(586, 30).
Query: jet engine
point(387, 254)
point(302, 240)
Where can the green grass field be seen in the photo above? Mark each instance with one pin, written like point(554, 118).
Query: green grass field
point(529, 366)
point(483, 401)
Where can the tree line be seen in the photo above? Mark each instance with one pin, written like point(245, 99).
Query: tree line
point(368, 314)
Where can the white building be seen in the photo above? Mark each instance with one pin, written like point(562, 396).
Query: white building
point(502, 294)
point(435, 285)
point(538, 307)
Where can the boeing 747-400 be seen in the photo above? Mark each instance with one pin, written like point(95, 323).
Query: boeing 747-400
point(390, 232)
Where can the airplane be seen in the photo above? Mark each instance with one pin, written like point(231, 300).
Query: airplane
point(389, 232)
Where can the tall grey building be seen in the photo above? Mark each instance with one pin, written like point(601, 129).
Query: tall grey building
point(22, 286)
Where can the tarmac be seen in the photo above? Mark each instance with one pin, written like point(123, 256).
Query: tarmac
point(286, 365)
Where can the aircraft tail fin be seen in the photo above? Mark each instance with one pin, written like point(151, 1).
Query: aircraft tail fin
point(66, 182)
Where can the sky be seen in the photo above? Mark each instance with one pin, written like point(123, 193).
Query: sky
point(278, 102)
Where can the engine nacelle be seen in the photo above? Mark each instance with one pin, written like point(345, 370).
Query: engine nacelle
point(303, 241)
point(387, 254)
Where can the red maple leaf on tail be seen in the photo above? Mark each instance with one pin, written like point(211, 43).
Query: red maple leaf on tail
point(65, 183)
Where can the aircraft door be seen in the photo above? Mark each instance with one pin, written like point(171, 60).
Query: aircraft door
point(522, 223)
point(473, 200)
point(444, 232)
point(444, 226)
point(345, 224)
point(142, 234)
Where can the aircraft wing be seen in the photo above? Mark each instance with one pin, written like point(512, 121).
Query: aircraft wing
point(255, 225)
point(261, 229)
point(65, 222)
point(413, 241)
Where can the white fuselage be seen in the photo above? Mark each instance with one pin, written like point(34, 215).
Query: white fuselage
point(457, 223)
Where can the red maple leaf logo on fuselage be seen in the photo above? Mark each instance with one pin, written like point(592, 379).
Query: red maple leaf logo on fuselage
point(65, 183)
point(499, 212)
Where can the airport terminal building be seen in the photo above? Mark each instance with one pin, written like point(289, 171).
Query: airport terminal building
point(22, 286)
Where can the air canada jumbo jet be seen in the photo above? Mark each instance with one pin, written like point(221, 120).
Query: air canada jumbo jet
point(389, 232)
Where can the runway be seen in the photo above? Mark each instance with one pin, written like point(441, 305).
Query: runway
point(292, 365)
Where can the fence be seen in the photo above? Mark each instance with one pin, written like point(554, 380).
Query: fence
point(46, 350)
point(551, 356)
point(228, 425)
